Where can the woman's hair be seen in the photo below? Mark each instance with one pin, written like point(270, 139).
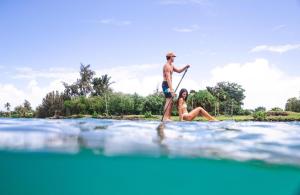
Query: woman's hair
point(180, 95)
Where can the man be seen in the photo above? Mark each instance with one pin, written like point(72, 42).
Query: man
point(167, 84)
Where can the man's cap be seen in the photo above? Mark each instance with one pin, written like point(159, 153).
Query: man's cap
point(170, 54)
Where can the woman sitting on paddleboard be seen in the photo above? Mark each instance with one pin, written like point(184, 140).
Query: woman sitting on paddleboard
point(189, 116)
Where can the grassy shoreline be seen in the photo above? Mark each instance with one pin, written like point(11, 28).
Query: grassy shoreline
point(291, 117)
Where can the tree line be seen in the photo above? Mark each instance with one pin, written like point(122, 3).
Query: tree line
point(293, 104)
point(94, 96)
point(91, 95)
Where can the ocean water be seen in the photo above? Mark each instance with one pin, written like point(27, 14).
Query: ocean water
point(91, 156)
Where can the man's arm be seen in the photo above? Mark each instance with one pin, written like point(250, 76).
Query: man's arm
point(180, 70)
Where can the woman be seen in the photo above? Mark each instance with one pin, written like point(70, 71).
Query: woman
point(182, 109)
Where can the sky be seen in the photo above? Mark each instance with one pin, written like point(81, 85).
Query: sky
point(251, 42)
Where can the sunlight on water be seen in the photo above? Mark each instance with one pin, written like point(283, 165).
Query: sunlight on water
point(271, 142)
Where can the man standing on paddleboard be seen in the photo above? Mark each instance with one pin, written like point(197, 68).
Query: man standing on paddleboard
point(167, 86)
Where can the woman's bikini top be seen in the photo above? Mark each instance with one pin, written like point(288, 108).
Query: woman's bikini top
point(184, 106)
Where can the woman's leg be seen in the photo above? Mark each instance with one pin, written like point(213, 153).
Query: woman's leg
point(196, 112)
point(207, 115)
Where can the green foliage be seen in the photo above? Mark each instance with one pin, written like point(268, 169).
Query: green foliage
point(52, 103)
point(15, 115)
point(91, 95)
point(20, 111)
point(117, 104)
point(260, 116)
point(293, 104)
point(276, 109)
point(95, 114)
point(96, 104)
point(101, 85)
point(2, 114)
point(7, 106)
point(202, 98)
point(27, 105)
point(174, 111)
point(85, 81)
point(120, 104)
point(87, 84)
point(246, 112)
point(148, 114)
point(260, 109)
point(84, 105)
point(7, 113)
point(102, 100)
point(83, 85)
point(138, 103)
point(24, 111)
point(154, 103)
point(229, 97)
point(226, 90)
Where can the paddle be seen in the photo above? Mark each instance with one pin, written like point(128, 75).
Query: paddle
point(161, 126)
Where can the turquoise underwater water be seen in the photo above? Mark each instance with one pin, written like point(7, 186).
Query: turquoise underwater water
point(88, 156)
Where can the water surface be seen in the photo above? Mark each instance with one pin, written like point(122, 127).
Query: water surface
point(90, 156)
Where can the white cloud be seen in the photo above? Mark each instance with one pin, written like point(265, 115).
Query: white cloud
point(115, 22)
point(32, 91)
point(265, 84)
point(191, 28)
point(276, 48)
point(110, 21)
point(142, 79)
point(9, 93)
point(279, 27)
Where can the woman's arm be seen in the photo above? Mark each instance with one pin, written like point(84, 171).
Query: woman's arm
point(180, 112)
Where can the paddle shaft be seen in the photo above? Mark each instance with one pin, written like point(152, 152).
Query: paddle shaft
point(174, 92)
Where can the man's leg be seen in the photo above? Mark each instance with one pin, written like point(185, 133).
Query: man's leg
point(170, 109)
point(167, 109)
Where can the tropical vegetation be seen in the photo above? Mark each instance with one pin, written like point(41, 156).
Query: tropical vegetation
point(93, 96)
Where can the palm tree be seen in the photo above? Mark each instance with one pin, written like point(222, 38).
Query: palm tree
point(192, 94)
point(85, 81)
point(7, 106)
point(83, 85)
point(101, 85)
point(27, 105)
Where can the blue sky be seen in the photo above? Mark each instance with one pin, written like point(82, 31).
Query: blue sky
point(255, 43)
